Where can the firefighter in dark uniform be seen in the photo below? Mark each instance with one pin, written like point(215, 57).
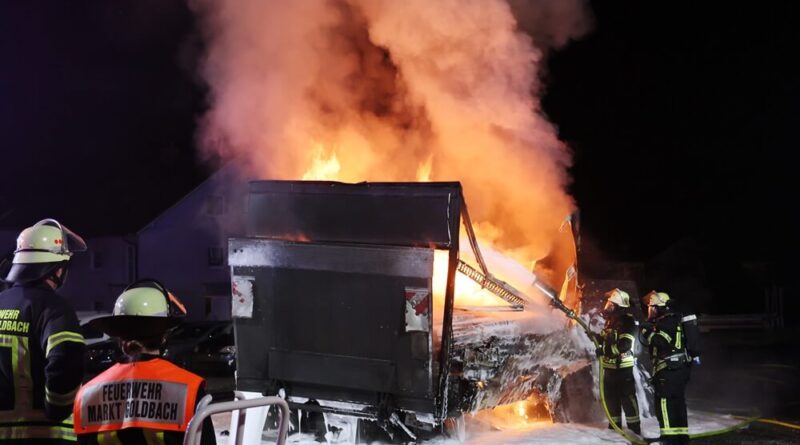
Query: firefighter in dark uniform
point(673, 341)
point(616, 357)
point(41, 347)
point(146, 400)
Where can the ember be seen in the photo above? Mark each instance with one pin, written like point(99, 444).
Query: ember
point(522, 414)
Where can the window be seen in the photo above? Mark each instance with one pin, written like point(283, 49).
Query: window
point(216, 256)
point(215, 205)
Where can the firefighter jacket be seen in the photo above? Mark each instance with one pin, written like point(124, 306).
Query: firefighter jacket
point(147, 400)
point(41, 365)
point(618, 337)
point(667, 339)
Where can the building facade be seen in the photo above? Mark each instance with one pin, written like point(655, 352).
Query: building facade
point(186, 246)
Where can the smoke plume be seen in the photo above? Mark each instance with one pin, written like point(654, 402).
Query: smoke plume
point(386, 90)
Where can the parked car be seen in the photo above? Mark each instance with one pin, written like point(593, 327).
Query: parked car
point(205, 347)
point(90, 334)
point(100, 356)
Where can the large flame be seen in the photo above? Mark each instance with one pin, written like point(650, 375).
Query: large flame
point(387, 90)
point(468, 292)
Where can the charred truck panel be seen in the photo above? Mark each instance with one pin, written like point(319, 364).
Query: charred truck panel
point(332, 291)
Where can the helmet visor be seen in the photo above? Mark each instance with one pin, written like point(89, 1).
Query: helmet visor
point(73, 241)
point(652, 311)
point(176, 308)
point(69, 243)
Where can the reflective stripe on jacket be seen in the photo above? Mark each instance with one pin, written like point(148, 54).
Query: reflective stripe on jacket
point(667, 343)
point(153, 394)
point(41, 364)
point(624, 360)
point(618, 342)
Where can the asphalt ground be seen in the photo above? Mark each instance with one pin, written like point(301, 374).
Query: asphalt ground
point(756, 433)
point(743, 372)
point(750, 373)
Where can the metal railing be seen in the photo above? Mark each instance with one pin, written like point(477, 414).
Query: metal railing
point(205, 408)
point(737, 322)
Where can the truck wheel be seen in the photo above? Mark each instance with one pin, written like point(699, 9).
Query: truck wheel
point(368, 431)
point(313, 422)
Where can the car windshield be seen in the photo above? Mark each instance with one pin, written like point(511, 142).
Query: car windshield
point(89, 332)
point(186, 332)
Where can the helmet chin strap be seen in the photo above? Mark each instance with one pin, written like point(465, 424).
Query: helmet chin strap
point(613, 309)
point(57, 280)
point(656, 312)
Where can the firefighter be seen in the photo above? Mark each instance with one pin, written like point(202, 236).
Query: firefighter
point(41, 347)
point(617, 342)
point(673, 341)
point(146, 399)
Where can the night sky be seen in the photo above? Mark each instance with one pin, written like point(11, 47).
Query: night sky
point(681, 120)
point(98, 112)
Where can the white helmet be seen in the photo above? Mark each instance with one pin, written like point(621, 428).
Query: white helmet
point(618, 297)
point(41, 248)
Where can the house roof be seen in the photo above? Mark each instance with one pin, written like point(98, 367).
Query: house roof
point(231, 169)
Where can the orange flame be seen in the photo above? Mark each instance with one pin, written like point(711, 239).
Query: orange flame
point(341, 90)
point(525, 414)
point(424, 170)
point(322, 167)
point(468, 292)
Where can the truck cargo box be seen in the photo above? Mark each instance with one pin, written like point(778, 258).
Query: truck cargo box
point(333, 301)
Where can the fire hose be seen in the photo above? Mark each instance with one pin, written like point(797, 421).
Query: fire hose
point(793, 426)
point(515, 297)
point(517, 300)
point(646, 440)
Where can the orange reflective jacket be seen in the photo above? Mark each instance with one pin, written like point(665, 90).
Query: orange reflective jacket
point(153, 394)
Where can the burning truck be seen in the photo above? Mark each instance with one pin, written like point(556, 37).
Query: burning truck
point(358, 300)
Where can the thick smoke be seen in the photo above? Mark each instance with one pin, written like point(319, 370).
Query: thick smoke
point(384, 90)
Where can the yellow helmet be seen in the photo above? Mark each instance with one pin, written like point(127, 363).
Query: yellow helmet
point(656, 298)
point(144, 309)
point(618, 297)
